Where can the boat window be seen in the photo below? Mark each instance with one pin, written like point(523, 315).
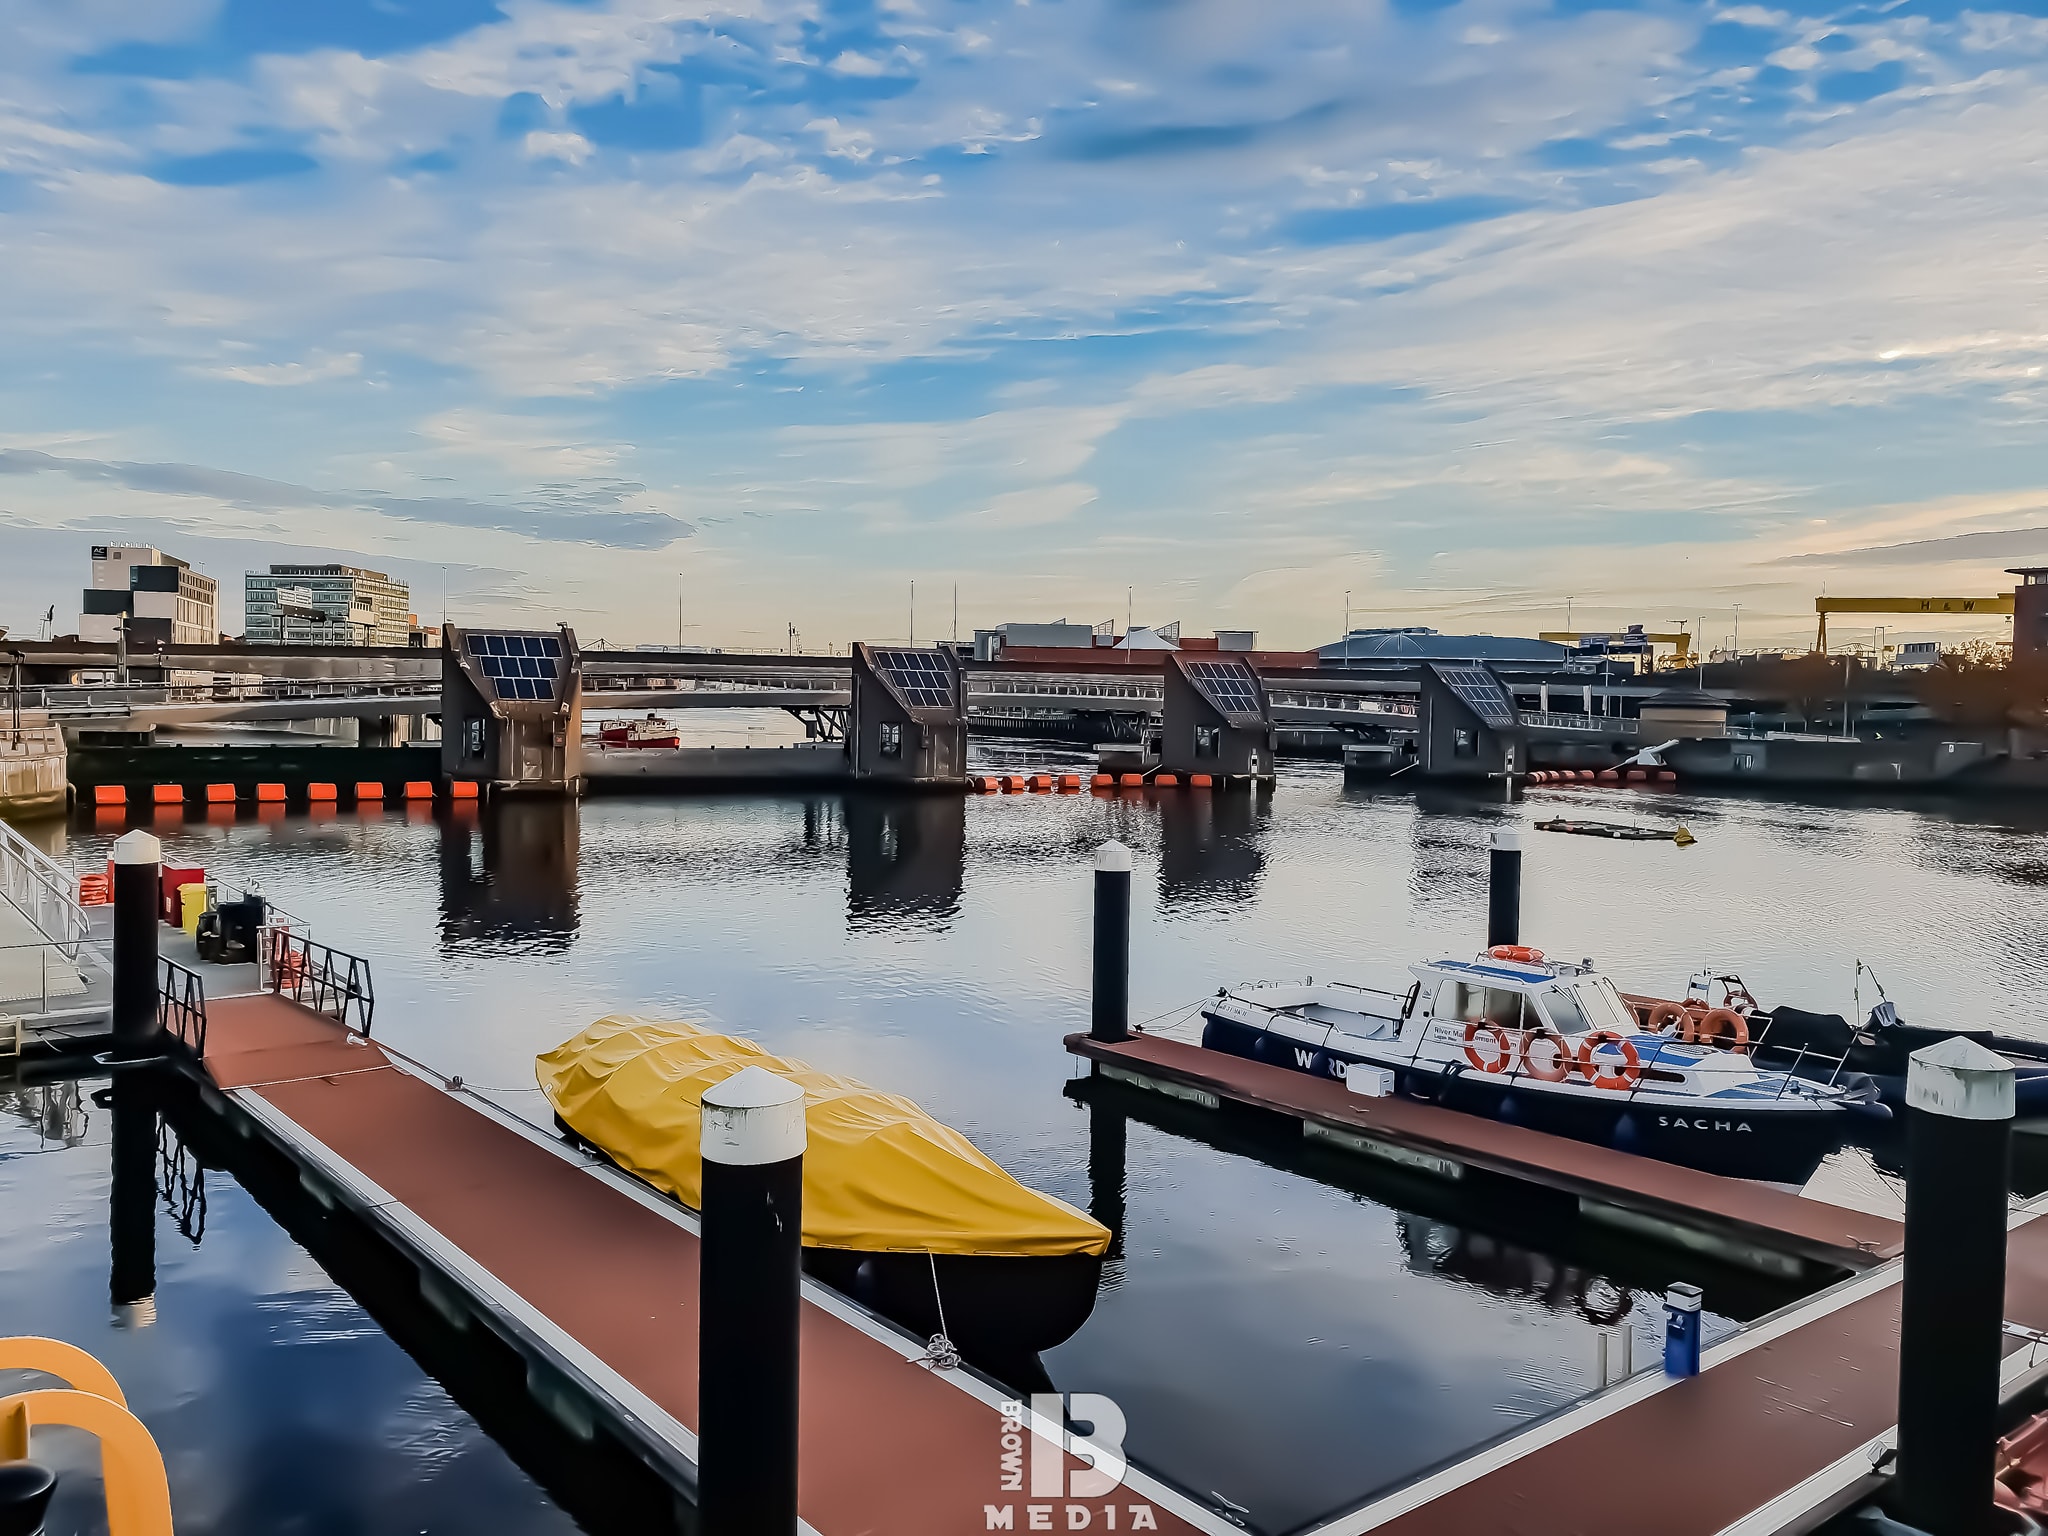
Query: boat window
point(1479, 1005)
point(1565, 1013)
point(1603, 1005)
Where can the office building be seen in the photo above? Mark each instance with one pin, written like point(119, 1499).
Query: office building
point(325, 605)
point(159, 598)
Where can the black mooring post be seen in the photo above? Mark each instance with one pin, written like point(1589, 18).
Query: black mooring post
point(749, 1296)
point(131, 1201)
point(26, 1488)
point(138, 863)
point(1504, 888)
point(1110, 1018)
point(1959, 1110)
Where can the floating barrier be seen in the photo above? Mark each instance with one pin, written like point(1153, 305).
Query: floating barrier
point(462, 789)
point(419, 789)
point(269, 794)
point(220, 794)
point(1070, 783)
point(109, 794)
point(322, 792)
point(1166, 780)
point(1132, 781)
point(168, 794)
point(368, 792)
point(1201, 781)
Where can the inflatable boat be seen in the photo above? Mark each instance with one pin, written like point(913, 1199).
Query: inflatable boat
point(901, 1213)
point(1515, 1037)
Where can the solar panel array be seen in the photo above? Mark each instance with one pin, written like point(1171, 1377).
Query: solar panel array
point(518, 666)
point(1481, 692)
point(1230, 686)
point(922, 677)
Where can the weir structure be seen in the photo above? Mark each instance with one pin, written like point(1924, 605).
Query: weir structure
point(512, 710)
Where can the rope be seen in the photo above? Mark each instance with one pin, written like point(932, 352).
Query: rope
point(940, 1352)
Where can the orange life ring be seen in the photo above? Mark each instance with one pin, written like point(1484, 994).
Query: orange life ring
point(1497, 1063)
point(1515, 952)
point(1665, 1013)
point(1631, 1071)
point(1723, 1027)
point(1561, 1059)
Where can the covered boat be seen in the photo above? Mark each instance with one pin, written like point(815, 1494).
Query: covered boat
point(902, 1213)
point(1515, 1037)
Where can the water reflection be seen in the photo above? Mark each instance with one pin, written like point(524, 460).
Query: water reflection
point(525, 891)
point(131, 1200)
point(1211, 847)
point(905, 860)
point(1505, 1269)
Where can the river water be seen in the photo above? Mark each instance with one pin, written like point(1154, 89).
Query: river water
point(1284, 1331)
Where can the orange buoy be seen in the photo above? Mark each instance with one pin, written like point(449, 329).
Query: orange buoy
point(419, 789)
point(1516, 952)
point(1200, 781)
point(168, 794)
point(1631, 1071)
point(220, 794)
point(269, 794)
point(1665, 776)
point(1723, 1027)
point(1040, 781)
point(462, 789)
point(322, 792)
point(1132, 781)
point(1166, 780)
point(1069, 781)
point(109, 794)
point(1561, 1061)
point(1101, 781)
point(1607, 776)
point(368, 790)
point(1503, 1052)
point(95, 889)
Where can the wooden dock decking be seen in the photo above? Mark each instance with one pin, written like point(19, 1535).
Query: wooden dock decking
point(607, 1274)
point(1748, 1221)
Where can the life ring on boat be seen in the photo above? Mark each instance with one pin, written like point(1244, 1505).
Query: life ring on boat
point(1515, 952)
point(1496, 1063)
point(1720, 1026)
point(1660, 1014)
point(1561, 1064)
point(1631, 1071)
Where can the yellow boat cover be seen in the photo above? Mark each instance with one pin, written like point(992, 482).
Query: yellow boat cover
point(880, 1175)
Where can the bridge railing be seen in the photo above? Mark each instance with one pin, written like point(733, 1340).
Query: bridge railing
point(329, 981)
point(1599, 725)
point(181, 1005)
point(44, 890)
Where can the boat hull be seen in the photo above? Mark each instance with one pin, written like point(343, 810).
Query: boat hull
point(1782, 1144)
point(997, 1307)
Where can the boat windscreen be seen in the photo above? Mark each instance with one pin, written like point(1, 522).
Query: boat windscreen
point(1566, 1016)
point(1603, 1005)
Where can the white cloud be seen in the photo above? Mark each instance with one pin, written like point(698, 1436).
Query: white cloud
point(571, 148)
point(316, 368)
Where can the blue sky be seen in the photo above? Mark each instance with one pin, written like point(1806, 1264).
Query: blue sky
point(579, 310)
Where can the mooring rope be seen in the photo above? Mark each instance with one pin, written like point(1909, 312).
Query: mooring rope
point(940, 1352)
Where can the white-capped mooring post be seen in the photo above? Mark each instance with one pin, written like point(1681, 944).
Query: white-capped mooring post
point(1959, 1111)
point(1504, 888)
point(138, 868)
point(749, 1300)
point(1110, 1014)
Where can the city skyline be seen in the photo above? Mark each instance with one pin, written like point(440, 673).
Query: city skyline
point(1465, 311)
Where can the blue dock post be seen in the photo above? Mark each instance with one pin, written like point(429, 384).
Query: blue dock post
point(1682, 1330)
point(1959, 1111)
point(1504, 888)
point(749, 1300)
point(1110, 1017)
point(138, 864)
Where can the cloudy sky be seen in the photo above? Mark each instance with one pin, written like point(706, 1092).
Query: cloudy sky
point(771, 309)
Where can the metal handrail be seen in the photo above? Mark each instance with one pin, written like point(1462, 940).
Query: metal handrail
point(1601, 725)
point(324, 979)
point(181, 1005)
point(44, 890)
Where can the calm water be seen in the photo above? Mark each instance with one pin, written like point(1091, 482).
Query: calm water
point(1285, 1331)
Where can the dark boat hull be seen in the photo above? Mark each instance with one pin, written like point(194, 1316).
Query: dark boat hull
point(1782, 1145)
point(996, 1308)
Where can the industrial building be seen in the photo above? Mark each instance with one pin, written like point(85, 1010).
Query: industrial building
point(325, 605)
point(156, 598)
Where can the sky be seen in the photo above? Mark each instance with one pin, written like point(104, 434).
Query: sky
point(674, 319)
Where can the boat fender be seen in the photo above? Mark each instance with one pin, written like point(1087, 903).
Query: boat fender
point(1720, 1026)
point(1503, 1052)
point(1516, 952)
point(1561, 1063)
point(1631, 1070)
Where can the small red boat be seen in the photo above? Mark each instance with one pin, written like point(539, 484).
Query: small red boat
point(651, 732)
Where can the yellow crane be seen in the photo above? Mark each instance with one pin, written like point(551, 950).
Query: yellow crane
point(2002, 603)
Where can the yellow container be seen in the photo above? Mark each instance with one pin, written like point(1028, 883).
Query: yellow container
point(191, 902)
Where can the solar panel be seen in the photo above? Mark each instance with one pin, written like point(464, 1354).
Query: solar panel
point(1480, 691)
point(923, 677)
point(517, 666)
point(1230, 686)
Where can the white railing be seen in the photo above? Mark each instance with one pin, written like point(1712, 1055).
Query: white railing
point(44, 890)
point(1603, 725)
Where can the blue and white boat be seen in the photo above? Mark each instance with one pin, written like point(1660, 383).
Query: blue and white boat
point(1515, 1037)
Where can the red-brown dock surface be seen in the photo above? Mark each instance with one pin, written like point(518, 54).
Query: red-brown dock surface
point(1755, 1215)
point(888, 1447)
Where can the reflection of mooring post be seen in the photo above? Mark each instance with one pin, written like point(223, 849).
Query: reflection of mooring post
point(749, 1301)
point(1504, 889)
point(1959, 1110)
point(138, 860)
point(1111, 1015)
point(1108, 1134)
point(132, 1200)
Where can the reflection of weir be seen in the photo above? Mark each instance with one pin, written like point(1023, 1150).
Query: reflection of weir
point(525, 892)
point(1209, 846)
point(1437, 1248)
point(905, 858)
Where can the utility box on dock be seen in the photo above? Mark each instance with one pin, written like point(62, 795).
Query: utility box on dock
point(908, 721)
point(1469, 726)
point(512, 710)
point(1215, 719)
